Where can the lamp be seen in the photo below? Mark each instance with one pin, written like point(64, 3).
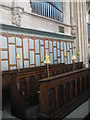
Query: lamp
point(65, 56)
point(47, 61)
point(18, 58)
point(88, 55)
point(73, 59)
point(78, 55)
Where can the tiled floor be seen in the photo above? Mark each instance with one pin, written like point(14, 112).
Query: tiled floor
point(80, 112)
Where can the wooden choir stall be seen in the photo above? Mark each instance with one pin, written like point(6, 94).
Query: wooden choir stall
point(25, 79)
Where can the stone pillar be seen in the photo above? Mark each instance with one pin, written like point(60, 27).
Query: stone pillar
point(73, 24)
point(82, 31)
point(66, 15)
point(79, 30)
point(64, 3)
point(85, 31)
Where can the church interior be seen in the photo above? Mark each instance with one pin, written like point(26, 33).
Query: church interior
point(44, 59)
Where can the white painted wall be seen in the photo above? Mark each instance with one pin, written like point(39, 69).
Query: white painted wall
point(31, 20)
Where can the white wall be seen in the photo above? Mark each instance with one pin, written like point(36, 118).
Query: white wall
point(32, 21)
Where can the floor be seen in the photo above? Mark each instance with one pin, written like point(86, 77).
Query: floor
point(80, 112)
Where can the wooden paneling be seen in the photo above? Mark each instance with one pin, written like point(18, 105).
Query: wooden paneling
point(56, 58)
point(71, 93)
point(25, 85)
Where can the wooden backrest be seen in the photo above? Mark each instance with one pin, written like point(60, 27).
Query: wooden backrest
point(58, 92)
point(28, 81)
point(42, 70)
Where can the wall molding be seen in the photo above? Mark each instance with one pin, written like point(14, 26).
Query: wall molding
point(27, 31)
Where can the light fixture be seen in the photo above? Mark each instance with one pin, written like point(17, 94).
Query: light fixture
point(78, 53)
point(88, 55)
point(65, 56)
point(18, 58)
point(73, 59)
point(47, 61)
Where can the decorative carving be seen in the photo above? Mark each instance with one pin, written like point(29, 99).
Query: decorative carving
point(17, 13)
point(73, 30)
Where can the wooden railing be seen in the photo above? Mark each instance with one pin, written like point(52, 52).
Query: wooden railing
point(61, 94)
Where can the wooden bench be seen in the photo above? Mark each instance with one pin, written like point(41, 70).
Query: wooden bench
point(25, 85)
point(61, 94)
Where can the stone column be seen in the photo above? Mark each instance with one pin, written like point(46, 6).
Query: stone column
point(82, 34)
point(66, 15)
point(79, 30)
point(72, 13)
point(85, 31)
point(64, 3)
point(73, 23)
point(82, 30)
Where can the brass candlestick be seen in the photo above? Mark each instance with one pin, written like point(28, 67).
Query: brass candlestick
point(47, 61)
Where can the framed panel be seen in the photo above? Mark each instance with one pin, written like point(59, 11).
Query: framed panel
point(37, 46)
point(62, 57)
point(58, 52)
point(4, 55)
point(3, 42)
point(25, 48)
point(50, 46)
point(47, 51)
point(19, 50)
point(51, 57)
point(61, 45)
point(37, 60)
point(55, 54)
point(54, 43)
point(67, 45)
point(12, 55)
point(58, 60)
point(46, 43)
point(13, 68)
point(41, 42)
point(18, 41)
point(26, 64)
point(68, 58)
point(32, 57)
point(31, 43)
point(42, 54)
point(55, 62)
point(11, 39)
point(70, 55)
point(4, 65)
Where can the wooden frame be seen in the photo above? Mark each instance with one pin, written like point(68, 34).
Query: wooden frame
point(34, 38)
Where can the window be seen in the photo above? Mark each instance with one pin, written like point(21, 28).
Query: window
point(51, 10)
